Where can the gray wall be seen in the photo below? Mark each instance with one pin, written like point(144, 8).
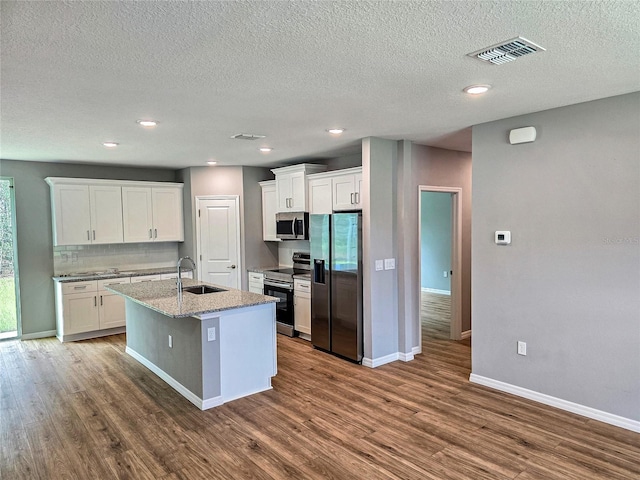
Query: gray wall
point(33, 224)
point(380, 300)
point(241, 181)
point(449, 168)
point(569, 284)
point(422, 165)
point(435, 248)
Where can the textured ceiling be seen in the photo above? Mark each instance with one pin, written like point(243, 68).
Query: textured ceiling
point(75, 74)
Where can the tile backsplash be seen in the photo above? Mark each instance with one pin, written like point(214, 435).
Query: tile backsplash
point(83, 258)
point(286, 249)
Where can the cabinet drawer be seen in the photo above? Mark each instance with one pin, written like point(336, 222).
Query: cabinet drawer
point(301, 286)
point(79, 287)
point(112, 281)
point(145, 278)
point(256, 277)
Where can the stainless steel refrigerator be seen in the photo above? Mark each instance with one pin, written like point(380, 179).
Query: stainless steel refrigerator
point(336, 283)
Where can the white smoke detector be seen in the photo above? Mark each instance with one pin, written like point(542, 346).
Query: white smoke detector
point(507, 51)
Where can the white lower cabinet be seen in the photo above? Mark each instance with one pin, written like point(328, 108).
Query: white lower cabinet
point(86, 309)
point(256, 282)
point(111, 305)
point(302, 307)
point(80, 312)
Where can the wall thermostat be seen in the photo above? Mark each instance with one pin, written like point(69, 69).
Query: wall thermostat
point(503, 237)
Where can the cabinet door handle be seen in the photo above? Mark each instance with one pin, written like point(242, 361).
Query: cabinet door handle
point(357, 194)
point(95, 302)
point(155, 230)
point(352, 202)
point(80, 288)
point(88, 235)
point(150, 234)
point(94, 234)
point(100, 300)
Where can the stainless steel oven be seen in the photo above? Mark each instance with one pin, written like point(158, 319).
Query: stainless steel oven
point(284, 308)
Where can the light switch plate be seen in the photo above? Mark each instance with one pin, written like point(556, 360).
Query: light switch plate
point(389, 263)
point(379, 265)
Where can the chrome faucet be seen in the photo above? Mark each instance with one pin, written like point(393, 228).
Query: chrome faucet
point(179, 279)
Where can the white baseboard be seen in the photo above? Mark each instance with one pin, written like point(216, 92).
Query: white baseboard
point(583, 410)
point(435, 290)
point(416, 350)
point(465, 334)
point(94, 334)
point(405, 357)
point(376, 362)
point(33, 336)
point(181, 389)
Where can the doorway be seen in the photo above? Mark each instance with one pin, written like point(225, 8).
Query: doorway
point(440, 240)
point(10, 325)
point(218, 240)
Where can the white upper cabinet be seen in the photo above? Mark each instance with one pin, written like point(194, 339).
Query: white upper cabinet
point(106, 213)
point(269, 209)
point(346, 190)
point(168, 222)
point(71, 214)
point(152, 214)
point(90, 211)
point(320, 200)
point(336, 190)
point(137, 214)
point(86, 214)
point(291, 186)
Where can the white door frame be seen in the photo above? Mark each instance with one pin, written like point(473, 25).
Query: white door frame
point(236, 199)
point(456, 256)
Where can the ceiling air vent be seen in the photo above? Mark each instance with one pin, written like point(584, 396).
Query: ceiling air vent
point(247, 136)
point(507, 51)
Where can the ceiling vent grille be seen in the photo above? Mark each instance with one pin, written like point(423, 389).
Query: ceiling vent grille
point(508, 51)
point(247, 136)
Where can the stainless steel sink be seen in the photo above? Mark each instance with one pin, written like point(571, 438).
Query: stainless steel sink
point(202, 289)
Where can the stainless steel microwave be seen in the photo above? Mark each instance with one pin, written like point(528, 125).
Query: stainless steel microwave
point(292, 226)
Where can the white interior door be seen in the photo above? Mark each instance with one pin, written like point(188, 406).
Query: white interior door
point(218, 232)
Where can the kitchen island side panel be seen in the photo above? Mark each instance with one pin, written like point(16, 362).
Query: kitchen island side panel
point(148, 335)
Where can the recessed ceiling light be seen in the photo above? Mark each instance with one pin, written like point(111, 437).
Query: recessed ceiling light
point(110, 144)
point(265, 149)
point(211, 162)
point(147, 123)
point(476, 89)
point(335, 131)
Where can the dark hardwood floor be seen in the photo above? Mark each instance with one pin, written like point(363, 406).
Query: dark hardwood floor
point(87, 410)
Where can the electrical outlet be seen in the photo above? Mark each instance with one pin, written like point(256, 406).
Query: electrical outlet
point(445, 274)
point(389, 263)
point(170, 341)
point(522, 348)
point(211, 334)
point(379, 265)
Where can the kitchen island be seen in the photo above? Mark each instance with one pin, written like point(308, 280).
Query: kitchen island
point(212, 348)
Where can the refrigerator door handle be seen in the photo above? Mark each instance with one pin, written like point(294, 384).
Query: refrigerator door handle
point(318, 271)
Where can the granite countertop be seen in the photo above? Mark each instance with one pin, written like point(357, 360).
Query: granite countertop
point(262, 269)
point(101, 275)
point(161, 296)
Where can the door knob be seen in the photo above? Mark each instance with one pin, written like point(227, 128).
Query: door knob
point(232, 266)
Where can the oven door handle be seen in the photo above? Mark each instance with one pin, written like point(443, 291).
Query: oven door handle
point(283, 286)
